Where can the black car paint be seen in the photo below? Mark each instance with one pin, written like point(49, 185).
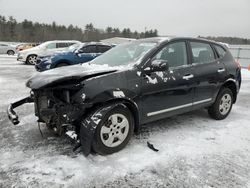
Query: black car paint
point(86, 90)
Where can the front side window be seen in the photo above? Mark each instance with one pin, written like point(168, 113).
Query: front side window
point(175, 54)
point(51, 46)
point(62, 45)
point(88, 49)
point(202, 52)
point(102, 48)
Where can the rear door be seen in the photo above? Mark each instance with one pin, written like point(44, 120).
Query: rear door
point(165, 93)
point(209, 71)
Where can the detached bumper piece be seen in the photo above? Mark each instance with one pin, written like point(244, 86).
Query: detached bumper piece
point(13, 117)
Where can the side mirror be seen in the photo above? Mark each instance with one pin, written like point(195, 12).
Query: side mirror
point(158, 65)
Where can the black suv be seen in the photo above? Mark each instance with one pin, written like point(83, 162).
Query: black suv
point(103, 102)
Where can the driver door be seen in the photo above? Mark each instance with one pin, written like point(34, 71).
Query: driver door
point(169, 92)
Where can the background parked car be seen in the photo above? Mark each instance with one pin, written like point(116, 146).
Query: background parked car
point(29, 56)
point(77, 54)
point(7, 49)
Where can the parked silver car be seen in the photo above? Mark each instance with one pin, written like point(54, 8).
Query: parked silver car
point(7, 49)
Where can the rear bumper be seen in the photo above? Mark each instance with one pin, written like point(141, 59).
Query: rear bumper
point(13, 117)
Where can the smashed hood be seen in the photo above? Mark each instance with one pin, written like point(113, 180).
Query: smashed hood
point(59, 75)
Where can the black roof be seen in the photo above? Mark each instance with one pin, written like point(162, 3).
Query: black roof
point(170, 38)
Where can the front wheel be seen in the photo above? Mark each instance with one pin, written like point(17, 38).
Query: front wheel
point(31, 59)
point(223, 104)
point(114, 131)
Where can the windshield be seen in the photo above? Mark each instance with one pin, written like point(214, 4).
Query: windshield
point(124, 54)
point(73, 47)
point(43, 45)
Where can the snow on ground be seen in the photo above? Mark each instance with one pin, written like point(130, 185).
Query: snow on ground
point(194, 150)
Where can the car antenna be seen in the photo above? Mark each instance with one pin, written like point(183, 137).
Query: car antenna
point(39, 127)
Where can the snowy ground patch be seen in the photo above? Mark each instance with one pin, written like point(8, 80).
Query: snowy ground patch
point(194, 150)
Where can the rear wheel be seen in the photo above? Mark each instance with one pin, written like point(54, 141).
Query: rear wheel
point(114, 131)
point(223, 104)
point(31, 59)
point(10, 52)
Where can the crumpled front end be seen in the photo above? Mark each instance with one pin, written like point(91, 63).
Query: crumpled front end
point(57, 109)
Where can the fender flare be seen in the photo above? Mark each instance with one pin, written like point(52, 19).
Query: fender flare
point(233, 85)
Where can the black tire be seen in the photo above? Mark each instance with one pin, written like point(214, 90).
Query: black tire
point(31, 59)
point(61, 65)
point(98, 146)
point(10, 52)
point(215, 110)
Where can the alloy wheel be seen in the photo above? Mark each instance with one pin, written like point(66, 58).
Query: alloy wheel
point(32, 60)
point(115, 130)
point(225, 104)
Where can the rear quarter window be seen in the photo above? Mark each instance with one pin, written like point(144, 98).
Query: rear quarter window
point(221, 51)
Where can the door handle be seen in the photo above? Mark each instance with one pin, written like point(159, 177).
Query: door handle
point(188, 76)
point(221, 70)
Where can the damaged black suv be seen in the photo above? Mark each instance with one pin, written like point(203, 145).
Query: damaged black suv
point(102, 103)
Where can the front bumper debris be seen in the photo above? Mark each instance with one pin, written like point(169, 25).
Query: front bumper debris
point(13, 117)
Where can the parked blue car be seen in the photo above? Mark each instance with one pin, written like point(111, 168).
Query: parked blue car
point(76, 54)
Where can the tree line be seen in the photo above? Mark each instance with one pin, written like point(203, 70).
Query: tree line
point(229, 40)
point(28, 31)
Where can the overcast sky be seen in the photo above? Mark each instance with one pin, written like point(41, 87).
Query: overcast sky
point(169, 17)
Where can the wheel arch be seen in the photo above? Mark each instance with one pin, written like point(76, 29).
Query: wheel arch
point(231, 84)
point(29, 56)
point(132, 106)
point(10, 50)
point(90, 122)
point(55, 64)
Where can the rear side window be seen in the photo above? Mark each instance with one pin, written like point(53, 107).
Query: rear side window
point(221, 51)
point(62, 45)
point(89, 49)
point(102, 48)
point(202, 52)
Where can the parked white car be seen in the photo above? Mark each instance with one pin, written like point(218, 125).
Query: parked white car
point(7, 49)
point(29, 56)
